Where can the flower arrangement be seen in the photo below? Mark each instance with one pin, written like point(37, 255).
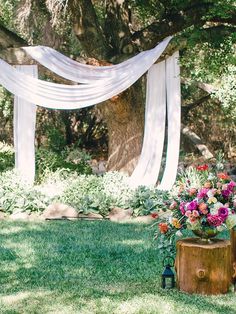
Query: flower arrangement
point(206, 209)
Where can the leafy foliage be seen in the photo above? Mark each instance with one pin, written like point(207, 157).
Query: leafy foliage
point(97, 193)
point(146, 200)
point(17, 196)
point(49, 161)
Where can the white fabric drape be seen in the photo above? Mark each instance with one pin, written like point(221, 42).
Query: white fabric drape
point(163, 91)
point(100, 84)
point(82, 73)
point(61, 96)
point(174, 123)
point(147, 169)
point(24, 130)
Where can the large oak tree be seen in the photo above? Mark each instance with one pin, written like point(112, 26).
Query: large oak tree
point(112, 31)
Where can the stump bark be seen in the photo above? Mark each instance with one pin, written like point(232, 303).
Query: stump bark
point(233, 250)
point(203, 268)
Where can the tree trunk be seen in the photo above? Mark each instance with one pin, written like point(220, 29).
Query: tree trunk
point(124, 112)
point(203, 268)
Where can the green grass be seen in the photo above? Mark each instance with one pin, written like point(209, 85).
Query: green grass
point(89, 267)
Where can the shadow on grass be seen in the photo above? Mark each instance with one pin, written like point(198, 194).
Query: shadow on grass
point(82, 262)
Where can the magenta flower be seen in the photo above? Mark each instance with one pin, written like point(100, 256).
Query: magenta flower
point(223, 213)
point(214, 220)
point(192, 205)
point(202, 193)
point(226, 193)
point(231, 185)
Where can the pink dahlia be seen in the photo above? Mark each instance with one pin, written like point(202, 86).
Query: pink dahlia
point(202, 192)
point(182, 207)
point(214, 220)
point(231, 185)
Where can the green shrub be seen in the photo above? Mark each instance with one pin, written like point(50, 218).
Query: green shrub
point(50, 161)
point(147, 200)
point(17, 196)
point(92, 193)
point(6, 157)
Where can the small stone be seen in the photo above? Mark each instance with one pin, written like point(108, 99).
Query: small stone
point(2, 215)
point(120, 214)
point(19, 216)
point(144, 219)
point(59, 210)
point(95, 216)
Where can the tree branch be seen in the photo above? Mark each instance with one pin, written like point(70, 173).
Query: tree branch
point(116, 28)
point(8, 39)
point(195, 104)
point(197, 142)
point(170, 24)
point(88, 30)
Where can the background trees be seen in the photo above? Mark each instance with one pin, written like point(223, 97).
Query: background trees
point(101, 32)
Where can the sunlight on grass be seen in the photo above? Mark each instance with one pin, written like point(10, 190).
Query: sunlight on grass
point(10, 230)
point(132, 242)
point(90, 267)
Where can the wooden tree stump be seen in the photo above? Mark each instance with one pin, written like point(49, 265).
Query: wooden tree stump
point(203, 268)
point(233, 250)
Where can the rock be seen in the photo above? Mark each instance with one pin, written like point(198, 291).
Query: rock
point(59, 210)
point(120, 214)
point(19, 216)
point(144, 219)
point(90, 216)
point(2, 215)
point(95, 216)
point(35, 217)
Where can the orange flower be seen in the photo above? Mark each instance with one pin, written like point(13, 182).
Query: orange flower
point(163, 227)
point(176, 223)
point(203, 208)
point(192, 191)
point(207, 185)
point(223, 176)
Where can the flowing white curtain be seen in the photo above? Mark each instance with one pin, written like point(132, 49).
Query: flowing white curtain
point(174, 123)
point(163, 91)
point(61, 96)
point(147, 169)
point(24, 130)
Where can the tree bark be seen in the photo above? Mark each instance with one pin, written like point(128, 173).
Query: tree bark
point(203, 268)
point(233, 249)
point(124, 116)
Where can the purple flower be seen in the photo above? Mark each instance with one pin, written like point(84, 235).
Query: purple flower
point(202, 193)
point(231, 185)
point(223, 213)
point(192, 205)
point(226, 193)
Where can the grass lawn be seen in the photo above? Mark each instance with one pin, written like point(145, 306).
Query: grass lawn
point(89, 267)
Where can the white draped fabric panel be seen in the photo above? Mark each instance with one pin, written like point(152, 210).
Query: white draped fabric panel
point(24, 130)
point(99, 84)
point(174, 123)
point(163, 91)
point(61, 96)
point(88, 74)
point(147, 169)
